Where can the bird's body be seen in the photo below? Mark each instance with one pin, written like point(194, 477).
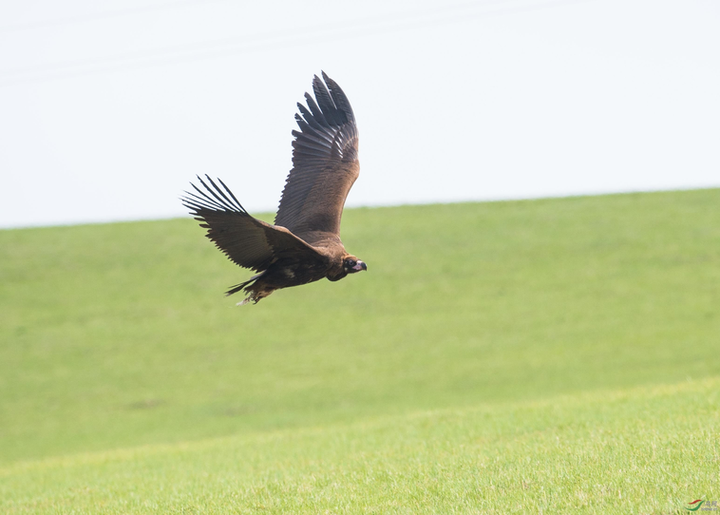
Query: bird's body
point(304, 243)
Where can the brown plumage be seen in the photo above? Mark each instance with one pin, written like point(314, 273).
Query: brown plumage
point(304, 243)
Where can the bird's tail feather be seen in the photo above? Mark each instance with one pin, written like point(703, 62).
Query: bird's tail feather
point(247, 287)
point(237, 288)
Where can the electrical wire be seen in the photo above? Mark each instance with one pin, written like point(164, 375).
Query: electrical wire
point(89, 17)
point(346, 29)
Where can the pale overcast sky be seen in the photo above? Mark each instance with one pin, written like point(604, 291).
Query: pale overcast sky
point(108, 109)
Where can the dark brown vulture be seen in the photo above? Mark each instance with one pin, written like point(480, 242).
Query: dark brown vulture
point(304, 244)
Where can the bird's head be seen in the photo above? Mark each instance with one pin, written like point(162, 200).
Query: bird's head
point(351, 264)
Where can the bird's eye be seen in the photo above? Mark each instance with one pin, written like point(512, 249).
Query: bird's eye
point(351, 263)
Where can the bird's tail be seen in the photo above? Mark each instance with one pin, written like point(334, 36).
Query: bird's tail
point(238, 287)
point(253, 294)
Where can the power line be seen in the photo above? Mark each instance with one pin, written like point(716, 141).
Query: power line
point(347, 29)
point(89, 17)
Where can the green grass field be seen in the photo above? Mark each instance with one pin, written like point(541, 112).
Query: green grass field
point(545, 356)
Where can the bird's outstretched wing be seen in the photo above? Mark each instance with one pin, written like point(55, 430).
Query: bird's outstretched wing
point(247, 241)
point(325, 164)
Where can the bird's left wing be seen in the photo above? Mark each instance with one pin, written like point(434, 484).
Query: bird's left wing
point(247, 241)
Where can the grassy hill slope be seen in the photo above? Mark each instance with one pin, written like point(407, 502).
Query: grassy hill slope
point(512, 327)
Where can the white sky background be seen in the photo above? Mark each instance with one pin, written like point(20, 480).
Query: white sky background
point(108, 109)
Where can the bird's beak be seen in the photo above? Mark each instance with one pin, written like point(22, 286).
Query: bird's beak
point(360, 265)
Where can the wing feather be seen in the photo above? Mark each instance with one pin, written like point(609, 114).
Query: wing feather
point(325, 164)
point(247, 241)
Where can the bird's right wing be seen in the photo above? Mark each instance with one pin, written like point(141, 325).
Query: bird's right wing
point(325, 164)
point(247, 241)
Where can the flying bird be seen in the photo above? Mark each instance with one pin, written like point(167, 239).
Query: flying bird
point(304, 243)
